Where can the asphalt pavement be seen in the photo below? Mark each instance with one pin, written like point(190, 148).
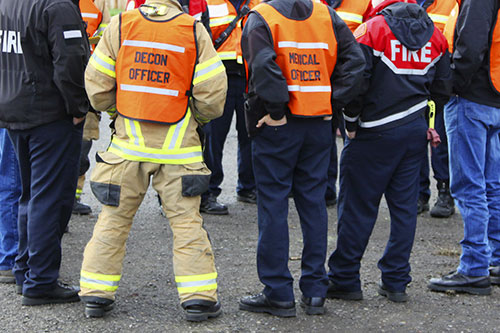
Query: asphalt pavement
point(147, 299)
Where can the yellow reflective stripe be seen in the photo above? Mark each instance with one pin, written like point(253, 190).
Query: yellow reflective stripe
point(346, 16)
point(185, 290)
point(137, 126)
point(128, 130)
point(103, 63)
point(239, 60)
point(182, 131)
point(191, 278)
point(131, 152)
point(97, 286)
point(104, 277)
point(208, 69)
point(79, 191)
point(231, 55)
point(169, 136)
point(438, 18)
point(221, 20)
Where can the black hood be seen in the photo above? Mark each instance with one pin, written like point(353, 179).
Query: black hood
point(409, 23)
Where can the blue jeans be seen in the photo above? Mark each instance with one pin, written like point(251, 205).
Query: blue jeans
point(10, 190)
point(474, 145)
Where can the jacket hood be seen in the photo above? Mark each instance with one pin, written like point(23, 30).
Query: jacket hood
point(409, 23)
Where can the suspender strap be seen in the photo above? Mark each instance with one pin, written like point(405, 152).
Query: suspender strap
point(225, 34)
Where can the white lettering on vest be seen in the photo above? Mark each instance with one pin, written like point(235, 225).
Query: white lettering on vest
point(11, 41)
point(407, 55)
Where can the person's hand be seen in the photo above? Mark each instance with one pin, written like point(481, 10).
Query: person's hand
point(270, 121)
point(76, 121)
point(350, 135)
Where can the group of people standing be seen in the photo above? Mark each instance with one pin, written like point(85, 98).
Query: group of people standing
point(289, 69)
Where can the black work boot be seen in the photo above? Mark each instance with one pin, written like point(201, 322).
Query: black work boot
point(476, 285)
point(210, 206)
point(261, 304)
point(62, 293)
point(422, 205)
point(313, 305)
point(444, 206)
point(80, 208)
point(97, 307)
point(200, 310)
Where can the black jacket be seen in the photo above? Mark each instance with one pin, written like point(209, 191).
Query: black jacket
point(407, 62)
point(266, 79)
point(470, 62)
point(42, 71)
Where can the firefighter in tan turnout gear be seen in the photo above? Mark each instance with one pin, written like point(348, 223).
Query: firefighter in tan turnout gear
point(157, 68)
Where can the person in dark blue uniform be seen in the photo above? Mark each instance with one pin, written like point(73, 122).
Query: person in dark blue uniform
point(406, 62)
point(43, 104)
point(303, 62)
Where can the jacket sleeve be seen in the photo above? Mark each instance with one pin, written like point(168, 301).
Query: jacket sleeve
point(349, 67)
point(471, 43)
point(441, 85)
point(100, 75)
point(70, 51)
point(353, 109)
point(210, 80)
point(266, 78)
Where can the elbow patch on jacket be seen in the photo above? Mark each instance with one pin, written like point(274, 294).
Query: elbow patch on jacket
point(107, 177)
point(194, 185)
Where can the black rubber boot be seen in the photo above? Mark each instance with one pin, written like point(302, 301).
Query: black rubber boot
point(444, 206)
point(97, 307)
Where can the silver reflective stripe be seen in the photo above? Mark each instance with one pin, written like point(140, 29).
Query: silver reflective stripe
point(195, 283)
point(68, 34)
point(154, 45)
point(310, 88)
point(103, 63)
point(394, 117)
point(208, 69)
point(405, 71)
point(351, 119)
point(303, 45)
point(151, 90)
point(346, 16)
point(91, 15)
point(133, 130)
point(177, 130)
point(156, 156)
point(107, 283)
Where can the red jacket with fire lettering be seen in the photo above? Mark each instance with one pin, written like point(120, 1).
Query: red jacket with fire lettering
point(407, 61)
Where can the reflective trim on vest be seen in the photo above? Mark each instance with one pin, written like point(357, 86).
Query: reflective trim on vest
point(303, 46)
point(149, 90)
point(99, 281)
point(154, 45)
point(90, 15)
point(436, 18)
point(346, 16)
point(394, 117)
point(103, 63)
point(215, 22)
point(231, 55)
point(310, 88)
point(208, 69)
point(196, 283)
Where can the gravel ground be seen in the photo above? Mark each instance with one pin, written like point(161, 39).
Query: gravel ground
point(147, 298)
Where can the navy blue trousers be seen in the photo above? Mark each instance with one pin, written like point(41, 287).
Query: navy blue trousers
point(216, 133)
point(49, 159)
point(439, 158)
point(293, 157)
point(375, 164)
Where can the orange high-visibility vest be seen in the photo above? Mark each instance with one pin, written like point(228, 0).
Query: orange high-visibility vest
point(154, 69)
point(222, 13)
point(495, 55)
point(439, 12)
point(449, 28)
point(306, 55)
point(91, 15)
point(352, 12)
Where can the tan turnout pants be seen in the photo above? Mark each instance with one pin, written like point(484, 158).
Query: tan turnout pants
point(128, 181)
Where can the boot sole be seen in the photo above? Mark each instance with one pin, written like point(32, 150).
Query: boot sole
point(273, 311)
point(469, 290)
point(313, 310)
point(97, 312)
point(394, 297)
point(214, 213)
point(348, 295)
point(441, 215)
point(202, 316)
point(29, 301)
